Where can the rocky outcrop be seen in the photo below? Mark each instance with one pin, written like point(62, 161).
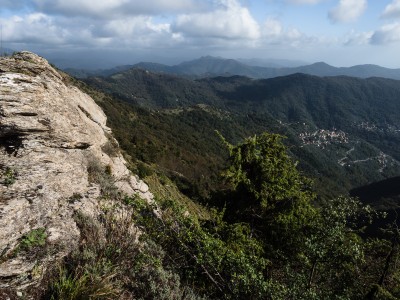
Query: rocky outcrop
point(57, 157)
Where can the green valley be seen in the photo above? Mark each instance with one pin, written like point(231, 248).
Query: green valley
point(343, 131)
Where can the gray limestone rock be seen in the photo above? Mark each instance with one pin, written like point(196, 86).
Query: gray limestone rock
point(51, 135)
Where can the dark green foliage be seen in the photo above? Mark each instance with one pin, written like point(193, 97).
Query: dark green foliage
point(382, 270)
point(143, 170)
point(269, 192)
point(152, 90)
point(220, 260)
point(261, 168)
point(224, 260)
point(332, 252)
point(32, 239)
point(325, 102)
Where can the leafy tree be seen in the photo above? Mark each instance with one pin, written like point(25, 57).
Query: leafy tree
point(332, 254)
point(268, 191)
point(383, 256)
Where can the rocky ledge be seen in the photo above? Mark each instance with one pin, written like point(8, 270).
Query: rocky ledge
point(56, 156)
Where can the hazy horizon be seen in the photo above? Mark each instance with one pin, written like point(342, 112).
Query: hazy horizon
point(76, 33)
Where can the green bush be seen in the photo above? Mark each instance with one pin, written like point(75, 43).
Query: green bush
point(144, 170)
point(32, 239)
point(9, 177)
point(218, 259)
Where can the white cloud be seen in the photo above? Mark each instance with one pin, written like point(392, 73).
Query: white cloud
point(82, 24)
point(135, 26)
point(108, 9)
point(387, 34)
point(229, 20)
point(348, 10)
point(43, 31)
point(272, 28)
point(36, 28)
point(392, 10)
point(140, 31)
point(354, 38)
point(274, 33)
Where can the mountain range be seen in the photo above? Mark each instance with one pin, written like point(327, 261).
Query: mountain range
point(344, 131)
point(208, 66)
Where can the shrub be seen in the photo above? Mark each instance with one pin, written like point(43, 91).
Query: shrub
point(221, 260)
point(102, 176)
point(9, 177)
point(32, 239)
point(144, 170)
point(110, 148)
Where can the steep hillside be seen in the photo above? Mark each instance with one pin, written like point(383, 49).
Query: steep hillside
point(384, 195)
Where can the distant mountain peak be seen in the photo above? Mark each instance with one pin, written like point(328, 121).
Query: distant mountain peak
point(212, 57)
point(321, 63)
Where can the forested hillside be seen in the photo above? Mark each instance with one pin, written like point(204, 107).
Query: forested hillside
point(267, 233)
point(343, 131)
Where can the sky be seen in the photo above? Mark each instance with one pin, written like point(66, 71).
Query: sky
point(105, 33)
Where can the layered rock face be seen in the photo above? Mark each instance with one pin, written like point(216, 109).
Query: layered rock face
point(55, 148)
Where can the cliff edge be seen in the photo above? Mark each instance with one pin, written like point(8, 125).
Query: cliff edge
point(57, 158)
